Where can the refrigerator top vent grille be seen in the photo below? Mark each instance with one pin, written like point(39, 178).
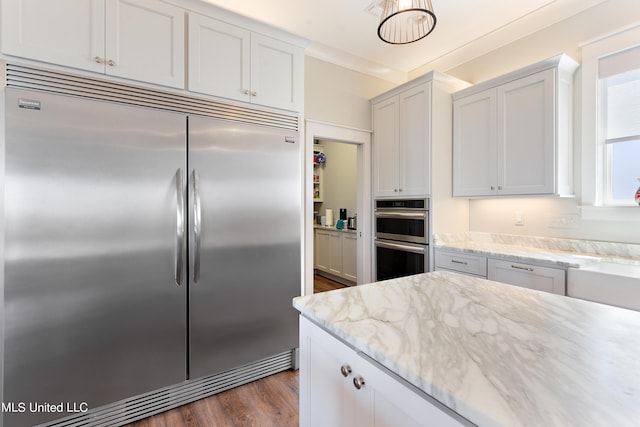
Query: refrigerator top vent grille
point(26, 77)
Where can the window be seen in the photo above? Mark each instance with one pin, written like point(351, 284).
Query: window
point(620, 112)
point(609, 153)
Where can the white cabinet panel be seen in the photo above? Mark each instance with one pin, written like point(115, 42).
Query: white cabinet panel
point(402, 143)
point(350, 256)
point(64, 32)
point(475, 265)
point(219, 58)
point(322, 246)
point(335, 265)
point(233, 62)
point(511, 134)
point(415, 147)
point(276, 73)
point(145, 41)
point(329, 370)
point(475, 145)
point(528, 276)
point(386, 138)
point(141, 39)
point(336, 253)
point(526, 141)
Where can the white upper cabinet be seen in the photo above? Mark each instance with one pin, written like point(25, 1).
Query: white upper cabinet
point(135, 39)
point(145, 41)
point(386, 135)
point(512, 135)
point(401, 125)
point(232, 62)
point(412, 137)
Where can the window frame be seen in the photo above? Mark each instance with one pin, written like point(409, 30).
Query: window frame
point(592, 156)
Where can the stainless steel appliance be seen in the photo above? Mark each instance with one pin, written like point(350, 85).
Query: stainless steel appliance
point(151, 247)
point(401, 237)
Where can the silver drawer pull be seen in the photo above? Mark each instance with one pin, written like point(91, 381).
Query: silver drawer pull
point(345, 370)
point(455, 261)
point(358, 382)
point(521, 268)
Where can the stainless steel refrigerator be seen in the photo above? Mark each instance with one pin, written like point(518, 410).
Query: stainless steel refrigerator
point(148, 247)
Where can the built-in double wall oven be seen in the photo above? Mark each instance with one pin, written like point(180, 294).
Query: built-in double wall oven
point(401, 237)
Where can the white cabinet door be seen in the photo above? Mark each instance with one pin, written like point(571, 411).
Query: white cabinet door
point(350, 256)
point(526, 143)
point(64, 32)
point(235, 63)
point(475, 145)
point(322, 250)
point(414, 147)
point(340, 388)
point(219, 58)
point(327, 397)
point(145, 41)
point(386, 122)
point(335, 265)
point(474, 265)
point(141, 40)
point(276, 73)
point(528, 276)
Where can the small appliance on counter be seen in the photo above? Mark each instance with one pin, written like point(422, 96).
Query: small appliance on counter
point(343, 214)
point(352, 222)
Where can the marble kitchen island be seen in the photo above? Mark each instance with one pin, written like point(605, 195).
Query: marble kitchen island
point(495, 354)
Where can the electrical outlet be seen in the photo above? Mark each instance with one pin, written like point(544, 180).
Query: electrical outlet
point(519, 218)
point(564, 221)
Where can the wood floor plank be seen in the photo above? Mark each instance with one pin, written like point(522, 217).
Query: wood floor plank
point(269, 402)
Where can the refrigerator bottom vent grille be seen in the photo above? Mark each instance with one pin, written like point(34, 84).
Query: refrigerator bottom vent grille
point(143, 406)
point(26, 77)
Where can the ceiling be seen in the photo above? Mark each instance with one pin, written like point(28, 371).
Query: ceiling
point(343, 31)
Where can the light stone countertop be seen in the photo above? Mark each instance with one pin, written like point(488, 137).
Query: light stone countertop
point(333, 228)
point(558, 252)
point(499, 355)
point(522, 253)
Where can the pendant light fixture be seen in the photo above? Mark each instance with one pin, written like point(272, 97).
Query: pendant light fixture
point(406, 21)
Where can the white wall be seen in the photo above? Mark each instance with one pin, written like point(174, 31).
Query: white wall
point(340, 178)
point(551, 216)
point(337, 95)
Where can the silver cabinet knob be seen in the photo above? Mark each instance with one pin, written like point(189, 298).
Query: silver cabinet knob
point(254, 93)
point(345, 370)
point(395, 190)
point(499, 187)
point(99, 60)
point(246, 92)
point(111, 63)
point(358, 382)
point(400, 190)
point(493, 188)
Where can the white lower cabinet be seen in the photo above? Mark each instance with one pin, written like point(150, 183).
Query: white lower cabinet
point(528, 276)
point(473, 265)
point(336, 253)
point(340, 387)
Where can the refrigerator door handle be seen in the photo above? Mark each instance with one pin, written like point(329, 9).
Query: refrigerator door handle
point(197, 226)
point(180, 226)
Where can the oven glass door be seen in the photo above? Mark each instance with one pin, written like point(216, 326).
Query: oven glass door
point(394, 259)
point(406, 226)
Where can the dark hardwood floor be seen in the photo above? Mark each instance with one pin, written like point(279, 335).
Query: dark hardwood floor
point(269, 402)
point(322, 284)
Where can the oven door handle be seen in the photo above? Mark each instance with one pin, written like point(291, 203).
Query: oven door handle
point(403, 215)
point(400, 246)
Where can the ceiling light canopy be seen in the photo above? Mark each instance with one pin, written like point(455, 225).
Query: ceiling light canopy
point(406, 21)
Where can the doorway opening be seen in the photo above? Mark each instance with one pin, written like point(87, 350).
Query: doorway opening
point(341, 183)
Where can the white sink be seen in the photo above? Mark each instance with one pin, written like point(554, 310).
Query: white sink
point(606, 282)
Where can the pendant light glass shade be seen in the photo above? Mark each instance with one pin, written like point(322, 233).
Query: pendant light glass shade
point(406, 21)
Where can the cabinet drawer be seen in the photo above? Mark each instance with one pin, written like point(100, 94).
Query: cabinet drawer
point(462, 263)
point(528, 276)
